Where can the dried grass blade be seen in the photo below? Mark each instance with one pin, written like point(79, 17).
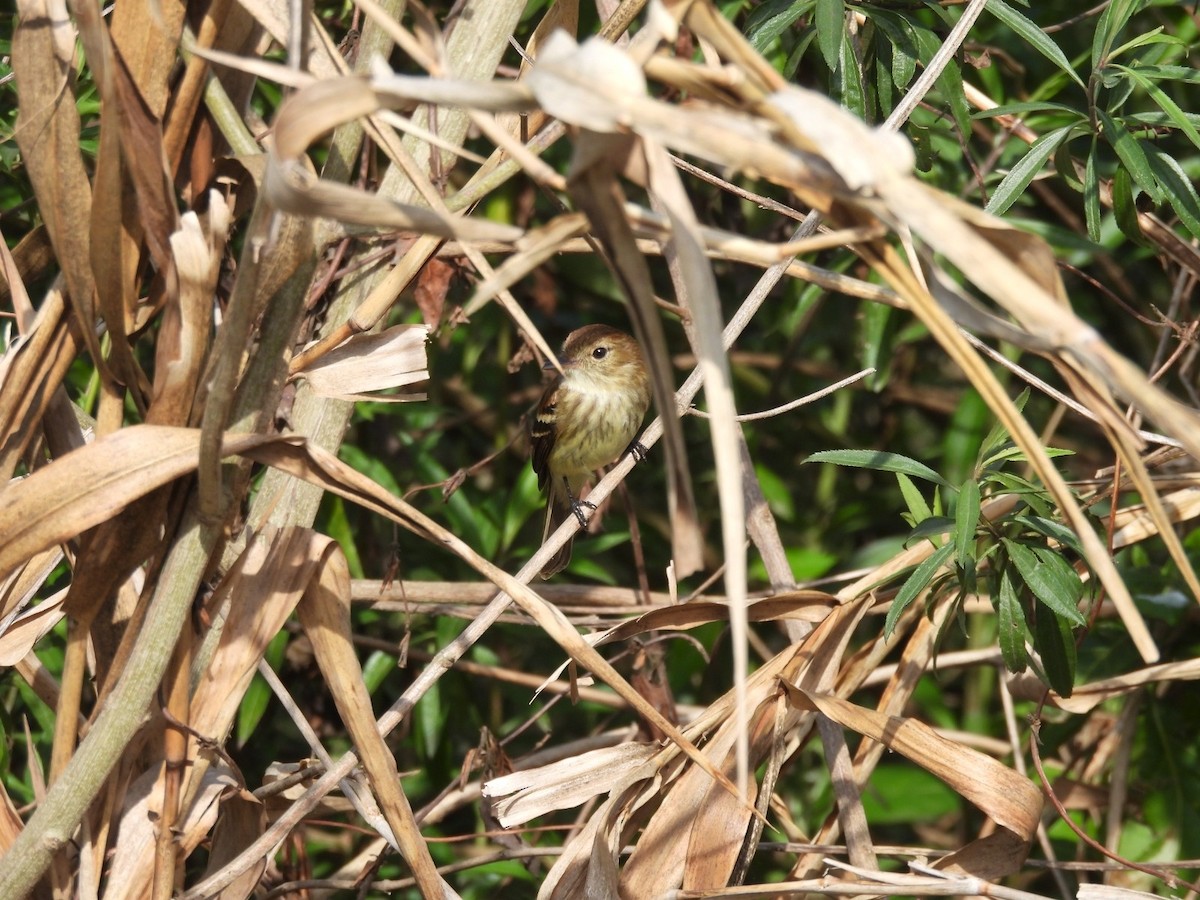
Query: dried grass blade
point(20, 587)
point(1006, 796)
point(241, 818)
point(325, 615)
point(291, 187)
point(696, 288)
point(91, 485)
point(530, 793)
point(48, 134)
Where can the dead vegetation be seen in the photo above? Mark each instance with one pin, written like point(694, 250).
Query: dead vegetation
point(177, 518)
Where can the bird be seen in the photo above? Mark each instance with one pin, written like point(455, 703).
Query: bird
point(587, 418)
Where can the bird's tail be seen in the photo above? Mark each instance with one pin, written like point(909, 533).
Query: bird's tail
point(558, 510)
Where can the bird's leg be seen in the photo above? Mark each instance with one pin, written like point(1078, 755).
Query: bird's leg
point(577, 505)
point(637, 450)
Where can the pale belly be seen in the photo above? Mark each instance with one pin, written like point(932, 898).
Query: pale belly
point(613, 425)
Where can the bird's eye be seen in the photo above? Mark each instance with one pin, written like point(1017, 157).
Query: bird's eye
point(600, 353)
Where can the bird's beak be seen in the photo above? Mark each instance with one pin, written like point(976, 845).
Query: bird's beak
point(551, 365)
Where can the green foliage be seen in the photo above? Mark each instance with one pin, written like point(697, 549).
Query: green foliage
point(1016, 557)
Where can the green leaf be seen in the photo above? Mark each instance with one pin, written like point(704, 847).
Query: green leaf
point(919, 580)
point(1177, 116)
point(999, 434)
point(1125, 210)
point(1035, 37)
point(966, 519)
point(1019, 176)
point(1129, 149)
point(379, 665)
point(900, 42)
point(1011, 626)
point(913, 499)
point(769, 21)
point(1056, 531)
point(929, 527)
point(777, 493)
point(830, 19)
point(258, 695)
point(1091, 195)
point(1110, 24)
point(876, 348)
point(880, 460)
point(1049, 577)
point(1181, 192)
point(1056, 646)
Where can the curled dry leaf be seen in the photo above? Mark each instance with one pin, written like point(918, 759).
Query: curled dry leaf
point(372, 362)
point(529, 793)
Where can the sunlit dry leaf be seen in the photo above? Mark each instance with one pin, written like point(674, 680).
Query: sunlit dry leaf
point(1006, 796)
point(27, 629)
point(263, 588)
point(291, 187)
point(372, 362)
point(132, 866)
point(1087, 697)
point(182, 346)
point(94, 483)
point(325, 615)
point(530, 793)
point(20, 587)
point(10, 821)
point(239, 821)
point(1136, 524)
point(48, 134)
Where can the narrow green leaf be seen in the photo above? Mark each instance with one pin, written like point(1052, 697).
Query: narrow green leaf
point(830, 19)
point(999, 434)
point(1056, 646)
point(898, 31)
point(379, 665)
point(876, 350)
point(1049, 577)
point(1011, 624)
point(966, 519)
point(1129, 149)
point(849, 78)
point(1034, 36)
point(1110, 24)
point(1125, 210)
point(1170, 73)
point(766, 23)
point(1181, 192)
point(930, 527)
point(919, 580)
point(1177, 116)
point(1054, 530)
point(879, 460)
point(913, 499)
point(1019, 176)
point(1091, 195)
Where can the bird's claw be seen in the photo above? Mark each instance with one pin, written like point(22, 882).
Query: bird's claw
point(637, 450)
point(577, 508)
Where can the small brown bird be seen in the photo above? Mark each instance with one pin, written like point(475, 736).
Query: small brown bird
point(586, 418)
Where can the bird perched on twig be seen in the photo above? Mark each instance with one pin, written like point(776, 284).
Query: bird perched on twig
point(586, 418)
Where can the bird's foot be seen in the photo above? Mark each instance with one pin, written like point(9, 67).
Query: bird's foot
point(577, 508)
